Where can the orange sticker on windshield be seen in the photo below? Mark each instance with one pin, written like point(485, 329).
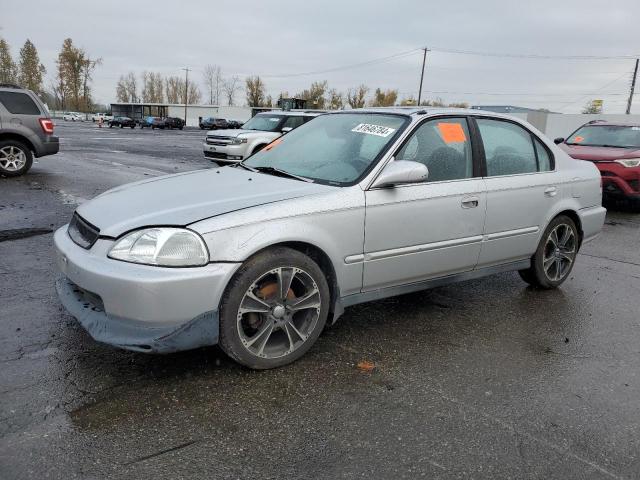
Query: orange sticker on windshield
point(273, 144)
point(578, 139)
point(452, 132)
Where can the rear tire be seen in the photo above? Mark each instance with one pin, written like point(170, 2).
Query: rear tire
point(555, 256)
point(15, 158)
point(273, 309)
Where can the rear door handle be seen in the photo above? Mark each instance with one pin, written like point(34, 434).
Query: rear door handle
point(551, 191)
point(470, 202)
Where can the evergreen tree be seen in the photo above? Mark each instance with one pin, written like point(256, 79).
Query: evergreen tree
point(8, 69)
point(31, 70)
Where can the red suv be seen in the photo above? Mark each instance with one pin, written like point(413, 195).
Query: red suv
point(615, 149)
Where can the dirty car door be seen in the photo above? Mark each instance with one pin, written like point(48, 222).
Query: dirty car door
point(419, 231)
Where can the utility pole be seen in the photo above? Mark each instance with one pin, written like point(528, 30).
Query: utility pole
point(424, 61)
point(186, 92)
point(633, 87)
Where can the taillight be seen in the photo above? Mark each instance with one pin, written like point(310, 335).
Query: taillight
point(47, 125)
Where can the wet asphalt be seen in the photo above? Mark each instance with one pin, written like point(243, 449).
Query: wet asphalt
point(482, 379)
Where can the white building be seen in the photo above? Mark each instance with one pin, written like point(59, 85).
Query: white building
point(137, 111)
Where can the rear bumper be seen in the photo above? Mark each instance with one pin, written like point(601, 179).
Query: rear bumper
point(592, 220)
point(49, 146)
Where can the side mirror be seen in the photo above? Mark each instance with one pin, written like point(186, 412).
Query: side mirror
point(558, 140)
point(401, 172)
point(286, 129)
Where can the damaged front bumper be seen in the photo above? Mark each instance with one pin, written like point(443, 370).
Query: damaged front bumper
point(139, 307)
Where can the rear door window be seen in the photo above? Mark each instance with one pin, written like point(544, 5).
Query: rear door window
point(293, 122)
point(508, 148)
point(19, 103)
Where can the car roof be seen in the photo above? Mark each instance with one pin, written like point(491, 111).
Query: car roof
point(607, 123)
point(293, 113)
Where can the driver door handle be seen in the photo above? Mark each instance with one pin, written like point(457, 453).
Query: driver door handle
point(470, 202)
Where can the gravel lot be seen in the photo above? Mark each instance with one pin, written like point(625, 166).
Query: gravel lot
point(483, 379)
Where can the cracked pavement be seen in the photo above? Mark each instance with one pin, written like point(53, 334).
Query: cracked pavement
point(483, 379)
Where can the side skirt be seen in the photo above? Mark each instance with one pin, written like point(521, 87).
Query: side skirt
point(363, 297)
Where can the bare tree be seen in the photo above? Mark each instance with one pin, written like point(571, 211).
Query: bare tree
point(88, 67)
point(255, 91)
point(230, 86)
point(127, 88)
point(194, 96)
point(152, 87)
point(315, 94)
point(174, 88)
point(356, 97)
point(214, 82)
point(384, 98)
point(336, 99)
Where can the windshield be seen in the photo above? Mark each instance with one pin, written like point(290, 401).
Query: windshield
point(265, 123)
point(622, 136)
point(336, 149)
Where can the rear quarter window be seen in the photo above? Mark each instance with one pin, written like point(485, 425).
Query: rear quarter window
point(19, 103)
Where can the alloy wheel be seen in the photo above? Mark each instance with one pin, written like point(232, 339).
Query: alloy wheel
point(12, 158)
point(559, 252)
point(278, 312)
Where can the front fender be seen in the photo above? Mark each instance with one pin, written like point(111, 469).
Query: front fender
point(333, 223)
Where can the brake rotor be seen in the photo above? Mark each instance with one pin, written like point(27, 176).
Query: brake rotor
point(266, 292)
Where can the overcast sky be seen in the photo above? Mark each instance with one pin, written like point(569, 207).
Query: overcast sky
point(279, 38)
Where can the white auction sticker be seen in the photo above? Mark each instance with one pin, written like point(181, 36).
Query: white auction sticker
point(377, 130)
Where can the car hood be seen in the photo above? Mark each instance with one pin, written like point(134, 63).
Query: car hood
point(601, 154)
point(240, 131)
point(182, 199)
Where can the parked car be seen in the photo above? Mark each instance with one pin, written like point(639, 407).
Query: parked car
point(145, 122)
point(259, 257)
point(72, 117)
point(211, 123)
point(234, 124)
point(615, 149)
point(26, 130)
point(96, 117)
point(122, 122)
point(158, 122)
point(173, 122)
point(232, 146)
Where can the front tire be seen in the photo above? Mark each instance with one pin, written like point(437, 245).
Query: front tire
point(273, 309)
point(555, 256)
point(15, 158)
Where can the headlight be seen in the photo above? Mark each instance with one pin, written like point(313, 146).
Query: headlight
point(164, 247)
point(629, 162)
point(238, 141)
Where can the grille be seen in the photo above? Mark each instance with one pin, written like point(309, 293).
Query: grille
point(218, 140)
point(215, 155)
point(82, 232)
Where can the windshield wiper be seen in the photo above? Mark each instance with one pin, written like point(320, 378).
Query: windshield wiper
point(246, 167)
point(281, 173)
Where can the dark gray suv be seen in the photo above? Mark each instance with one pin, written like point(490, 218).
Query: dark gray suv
point(25, 130)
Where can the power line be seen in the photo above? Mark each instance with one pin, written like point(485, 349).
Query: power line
point(533, 55)
point(346, 67)
point(597, 91)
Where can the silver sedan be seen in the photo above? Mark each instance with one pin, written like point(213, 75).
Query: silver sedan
point(351, 207)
